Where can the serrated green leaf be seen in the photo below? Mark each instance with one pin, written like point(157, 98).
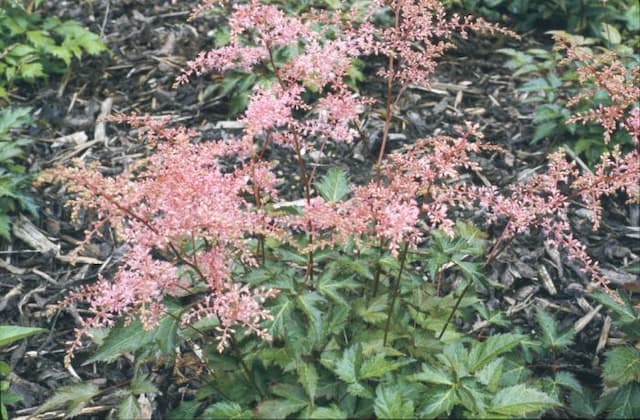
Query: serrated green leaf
point(11, 118)
point(374, 313)
point(550, 335)
point(330, 285)
point(455, 356)
point(348, 365)
point(128, 408)
point(226, 410)
point(623, 402)
point(433, 375)
point(308, 378)
point(622, 365)
point(62, 53)
point(627, 314)
point(472, 396)
point(332, 412)
point(389, 404)
point(378, 366)
point(611, 33)
point(279, 408)
point(520, 400)
point(439, 401)
point(582, 404)
point(334, 185)
point(186, 410)
point(40, 39)
point(568, 380)
point(483, 353)
point(309, 303)
point(11, 333)
point(5, 227)
point(358, 390)
point(141, 385)
point(491, 374)
point(121, 340)
point(31, 71)
point(544, 130)
point(72, 395)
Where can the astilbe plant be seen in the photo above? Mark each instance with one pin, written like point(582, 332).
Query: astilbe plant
point(193, 211)
point(181, 194)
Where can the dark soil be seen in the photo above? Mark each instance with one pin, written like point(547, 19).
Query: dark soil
point(150, 41)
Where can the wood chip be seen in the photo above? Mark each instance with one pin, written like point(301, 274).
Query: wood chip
point(546, 280)
point(77, 138)
point(585, 320)
point(30, 234)
point(604, 334)
point(11, 268)
point(100, 132)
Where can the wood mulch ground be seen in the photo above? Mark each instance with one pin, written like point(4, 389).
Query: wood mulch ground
point(150, 41)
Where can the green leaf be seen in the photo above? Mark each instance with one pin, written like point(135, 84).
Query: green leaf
point(491, 374)
point(440, 401)
point(483, 353)
point(347, 366)
point(625, 402)
point(472, 396)
point(141, 385)
point(622, 365)
point(550, 335)
point(128, 408)
point(330, 285)
point(278, 408)
point(74, 396)
point(625, 313)
point(308, 378)
point(332, 412)
point(122, 340)
point(389, 404)
point(535, 85)
point(374, 313)
point(309, 302)
point(5, 227)
point(520, 400)
point(433, 375)
point(186, 410)
point(11, 118)
point(62, 53)
point(226, 410)
point(568, 380)
point(31, 71)
point(610, 33)
point(378, 366)
point(359, 390)
point(40, 39)
point(334, 185)
point(582, 404)
point(544, 130)
point(11, 333)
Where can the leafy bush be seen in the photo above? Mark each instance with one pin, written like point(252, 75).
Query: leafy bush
point(13, 179)
point(555, 81)
point(8, 335)
point(353, 301)
point(33, 47)
point(610, 21)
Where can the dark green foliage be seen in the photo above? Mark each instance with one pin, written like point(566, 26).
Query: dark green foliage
point(610, 20)
point(551, 85)
point(13, 178)
point(33, 46)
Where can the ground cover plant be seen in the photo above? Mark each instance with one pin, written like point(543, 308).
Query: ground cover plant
point(344, 303)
